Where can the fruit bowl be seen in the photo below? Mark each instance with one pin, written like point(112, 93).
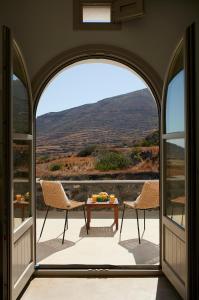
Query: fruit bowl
point(102, 197)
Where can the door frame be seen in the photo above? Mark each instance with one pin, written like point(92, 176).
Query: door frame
point(166, 222)
point(11, 289)
point(50, 69)
point(6, 165)
point(147, 73)
point(190, 231)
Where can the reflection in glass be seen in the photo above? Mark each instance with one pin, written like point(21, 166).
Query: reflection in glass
point(21, 203)
point(175, 180)
point(175, 158)
point(20, 107)
point(175, 104)
point(21, 159)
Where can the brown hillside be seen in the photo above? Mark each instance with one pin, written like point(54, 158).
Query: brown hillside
point(115, 122)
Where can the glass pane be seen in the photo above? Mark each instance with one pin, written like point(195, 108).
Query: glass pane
point(96, 14)
point(175, 180)
point(21, 203)
point(175, 97)
point(21, 122)
point(21, 159)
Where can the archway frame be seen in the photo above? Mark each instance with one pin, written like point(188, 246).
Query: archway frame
point(74, 55)
point(119, 55)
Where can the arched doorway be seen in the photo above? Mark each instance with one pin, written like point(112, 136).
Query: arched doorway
point(50, 77)
point(7, 138)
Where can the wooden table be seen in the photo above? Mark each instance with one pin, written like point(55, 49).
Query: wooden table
point(90, 205)
point(22, 205)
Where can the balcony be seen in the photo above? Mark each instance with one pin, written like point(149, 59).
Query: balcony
point(103, 245)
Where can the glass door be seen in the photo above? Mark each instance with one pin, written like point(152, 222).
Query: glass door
point(18, 179)
point(22, 145)
point(174, 174)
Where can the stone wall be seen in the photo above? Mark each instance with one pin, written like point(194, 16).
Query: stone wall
point(80, 190)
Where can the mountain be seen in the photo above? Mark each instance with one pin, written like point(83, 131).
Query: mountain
point(115, 121)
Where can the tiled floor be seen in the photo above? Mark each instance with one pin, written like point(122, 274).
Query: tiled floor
point(103, 244)
point(100, 288)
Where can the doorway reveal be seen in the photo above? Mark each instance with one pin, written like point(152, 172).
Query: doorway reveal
point(106, 143)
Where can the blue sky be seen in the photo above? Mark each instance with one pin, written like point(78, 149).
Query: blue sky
point(175, 104)
point(87, 82)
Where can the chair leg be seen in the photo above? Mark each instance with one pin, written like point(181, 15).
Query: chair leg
point(66, 222)
point(85, 219)
point(182, 215)
point(122, 218)
point(138, 225)
point(144, 219)
point(67, 218)
point(44, 222)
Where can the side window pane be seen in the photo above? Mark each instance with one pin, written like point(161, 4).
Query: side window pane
point(20, 107)
point(175, 180)
point(22, 143)
point(21, 203)
point(21, 159)
point(175, 104)
point(175, 98)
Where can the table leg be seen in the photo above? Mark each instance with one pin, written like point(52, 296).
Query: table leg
point(88, 211)
point(116, 216)
point(23, 213)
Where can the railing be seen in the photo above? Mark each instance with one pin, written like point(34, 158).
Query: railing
point(125, 190)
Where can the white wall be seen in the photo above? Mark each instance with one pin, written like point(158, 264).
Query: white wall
point(44, 29)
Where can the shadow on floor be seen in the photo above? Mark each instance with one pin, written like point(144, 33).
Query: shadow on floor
point(165, 290)
point(105, 231)
point(144, 253)
point(47, 248)
point(98, 214)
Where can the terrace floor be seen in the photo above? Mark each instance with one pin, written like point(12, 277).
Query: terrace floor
point(154, 288)
point(103, 244)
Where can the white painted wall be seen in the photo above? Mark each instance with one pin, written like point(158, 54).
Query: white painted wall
point(44, 29)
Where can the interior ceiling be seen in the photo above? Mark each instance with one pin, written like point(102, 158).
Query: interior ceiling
point(45, 29)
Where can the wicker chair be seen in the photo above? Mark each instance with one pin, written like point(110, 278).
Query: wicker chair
point(55, 196)
point(179, 201)
point(148, 199)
